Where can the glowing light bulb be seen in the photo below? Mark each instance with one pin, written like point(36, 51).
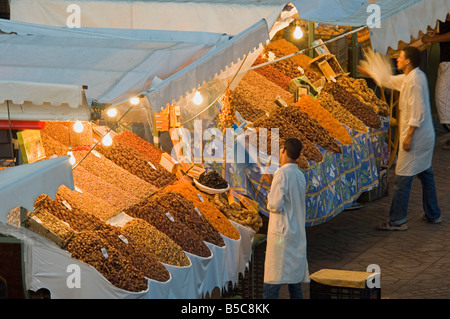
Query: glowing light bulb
point(107, 140)
point(72, 159)
point(78, 127)
point(112, 112)
point(298, 33)
point(198, 98)
point(134, 100)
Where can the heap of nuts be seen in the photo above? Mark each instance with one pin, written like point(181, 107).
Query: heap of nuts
point(77, 219)
point(313, 108)
point(340, 113)
point(135, 252)
point(154, 214)
point(52, 223)
point(91, 248)
point(147, 149)
point(245, 217)
point(156, 242)
point(206, 208)
point(273, 74)
point(184, 210)
point(351, 103)
point(126, 157)
point(114, 174)
point(288, 130)
point(359, 89)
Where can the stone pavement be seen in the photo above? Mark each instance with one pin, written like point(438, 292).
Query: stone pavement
point(414, 263)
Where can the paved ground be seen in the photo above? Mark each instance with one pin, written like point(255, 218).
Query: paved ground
point(414, 263)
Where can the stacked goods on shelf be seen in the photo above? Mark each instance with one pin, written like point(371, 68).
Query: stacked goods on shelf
point(91, 248)
point(351, 103)
point(98, 187)
point(208, 209)
point(105, 169)
point(359, 89)
point(245, 217)
point(136, 253)
point(126, 157)
point(158, 243)
point(272, 74)
point(313, 108)
point(145, 148)
point(184, 210)
point(340, 113)
point(256, 95)
point(157, 216)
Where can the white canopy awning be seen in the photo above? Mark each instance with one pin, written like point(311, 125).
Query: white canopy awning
point(117, 64)
point(21, 185)
point(400, 19)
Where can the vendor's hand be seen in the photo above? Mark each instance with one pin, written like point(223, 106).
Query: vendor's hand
point(407, 143)
point(427, 39)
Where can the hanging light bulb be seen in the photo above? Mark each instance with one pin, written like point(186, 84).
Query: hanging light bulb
point(72, 159)
point(107, 140)
point(78, 127)
point(298, 33)
point(112, 112)
point(198, 98)
point(134, 100)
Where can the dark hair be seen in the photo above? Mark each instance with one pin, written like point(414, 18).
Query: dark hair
point(293, 148)
point(413, 54)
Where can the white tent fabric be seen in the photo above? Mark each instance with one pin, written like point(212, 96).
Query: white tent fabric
point(21, 185)
point(400, 19)
point(117, 64)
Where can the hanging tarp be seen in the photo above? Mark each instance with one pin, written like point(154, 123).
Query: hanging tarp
point(21, 185)
point(399, 20)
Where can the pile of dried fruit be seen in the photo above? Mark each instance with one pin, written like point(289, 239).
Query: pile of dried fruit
point(136, 253)
point(157, 243)
point(115, 175)
point(340, 113)
point(97, 186)
point(53, 224)
point(288, 130)
point(208, 209)
point(325, 119)
point(212, 179)
point(243, 105)
point(52, 146)
point(351, 103)
point(126, 157)
point(147, 149)
point(242, 216)
point(184, 210)
point(154, 214)
point(91, 248)
point(359, 89)
point(64, 133)
point(227, 114)
point(88, 203)
point(273, 74)
point(77, 219)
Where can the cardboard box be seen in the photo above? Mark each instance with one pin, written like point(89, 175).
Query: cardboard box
point(248, 203)
point(195, 172)
point(168, 163)
point(233, 200)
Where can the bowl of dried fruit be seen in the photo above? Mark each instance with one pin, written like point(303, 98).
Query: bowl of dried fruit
point(211, 183)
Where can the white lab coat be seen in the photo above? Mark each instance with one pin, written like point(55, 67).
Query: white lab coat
point(414, 110)
point(286, 260)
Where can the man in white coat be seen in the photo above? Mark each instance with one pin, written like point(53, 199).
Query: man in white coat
point(285, 261)
point(417, 139)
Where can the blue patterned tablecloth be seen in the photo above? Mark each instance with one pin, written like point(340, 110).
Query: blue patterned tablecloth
point(333, 185)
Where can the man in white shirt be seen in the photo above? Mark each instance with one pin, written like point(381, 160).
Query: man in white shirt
point(286, 261)
point(417, 138)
